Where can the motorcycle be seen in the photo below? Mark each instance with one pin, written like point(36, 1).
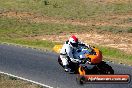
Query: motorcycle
point(91, 61)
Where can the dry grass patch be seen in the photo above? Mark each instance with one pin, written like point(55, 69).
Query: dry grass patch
point(119, 41)
point(118, 20)
point(112, 1)
point(11, 82)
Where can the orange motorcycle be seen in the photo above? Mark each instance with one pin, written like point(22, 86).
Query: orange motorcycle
point(91, 61)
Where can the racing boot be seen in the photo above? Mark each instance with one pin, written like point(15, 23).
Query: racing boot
point(66, 68)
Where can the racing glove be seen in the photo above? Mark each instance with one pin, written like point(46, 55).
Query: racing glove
point(75, 60)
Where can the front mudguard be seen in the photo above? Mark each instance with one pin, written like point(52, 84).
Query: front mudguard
point(81, 70)
point(81, 80)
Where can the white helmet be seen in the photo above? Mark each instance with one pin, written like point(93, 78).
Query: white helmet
point(73, 41)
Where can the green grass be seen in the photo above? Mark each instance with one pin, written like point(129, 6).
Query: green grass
point(42, 44)
point(72, 9)
point(13, 31)
point(114, 29)
point(116, 55)
point(15, 28)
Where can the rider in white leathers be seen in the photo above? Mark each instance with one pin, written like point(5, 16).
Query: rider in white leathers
point(67, 52)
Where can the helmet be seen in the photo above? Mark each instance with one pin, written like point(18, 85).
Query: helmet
point(73, 41)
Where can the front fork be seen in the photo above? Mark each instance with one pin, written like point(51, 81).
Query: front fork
point(81, 71)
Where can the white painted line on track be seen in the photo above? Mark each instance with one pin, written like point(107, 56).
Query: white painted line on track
point(26, 79)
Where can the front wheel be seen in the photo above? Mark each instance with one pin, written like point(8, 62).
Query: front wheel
point(81, 80)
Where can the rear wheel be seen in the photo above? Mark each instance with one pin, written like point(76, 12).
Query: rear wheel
point(106, 69)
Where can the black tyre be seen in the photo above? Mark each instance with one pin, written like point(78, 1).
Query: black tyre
point(106, 69)
point(80, 80)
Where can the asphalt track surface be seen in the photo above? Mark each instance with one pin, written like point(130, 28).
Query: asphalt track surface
point(43, 67)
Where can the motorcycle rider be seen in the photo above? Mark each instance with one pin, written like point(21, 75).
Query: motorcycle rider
point(67, 51)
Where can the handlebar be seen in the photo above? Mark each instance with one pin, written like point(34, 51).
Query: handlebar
point(85, 60)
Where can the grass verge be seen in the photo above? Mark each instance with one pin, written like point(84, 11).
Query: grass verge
point(40, 44)
point(116, 55)
point(12, 82)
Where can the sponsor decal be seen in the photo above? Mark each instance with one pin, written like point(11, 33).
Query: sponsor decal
point(105, 78)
